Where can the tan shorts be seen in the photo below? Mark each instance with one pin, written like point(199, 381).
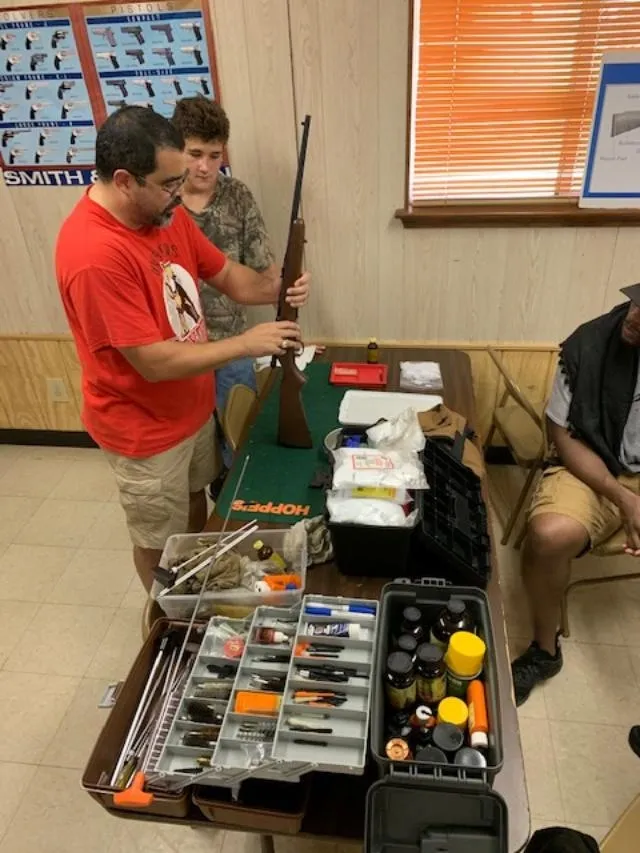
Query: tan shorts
point(154, 492)
point(560, 492)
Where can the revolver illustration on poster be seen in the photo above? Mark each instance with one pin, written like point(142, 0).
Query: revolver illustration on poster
point(57, 37)
point(15, 58)
point(69, 106)
point(60, 56)
point(32, 88)
point(65, 87)
point(29, 39)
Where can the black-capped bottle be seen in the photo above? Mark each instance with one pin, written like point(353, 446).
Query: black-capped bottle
point(454, 617)
point(431, 674)
point(400, 681)
point(407, 643)
point(412, 623)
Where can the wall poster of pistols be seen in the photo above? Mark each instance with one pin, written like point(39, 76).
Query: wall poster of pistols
point(65, 68)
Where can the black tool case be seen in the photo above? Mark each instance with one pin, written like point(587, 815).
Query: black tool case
point(421, 806)
point(452, 540)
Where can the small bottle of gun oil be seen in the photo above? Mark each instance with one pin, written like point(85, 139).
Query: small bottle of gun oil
point(400, 681)
point(454, 617)
point(372, 352)
point(266, 553)
point(412, 623)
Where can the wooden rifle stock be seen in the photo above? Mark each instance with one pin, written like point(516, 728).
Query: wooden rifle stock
point(293, 429)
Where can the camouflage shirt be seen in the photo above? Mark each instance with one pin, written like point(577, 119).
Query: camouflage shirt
point(234, 224)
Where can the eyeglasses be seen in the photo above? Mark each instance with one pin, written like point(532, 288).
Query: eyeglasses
point(171, 188)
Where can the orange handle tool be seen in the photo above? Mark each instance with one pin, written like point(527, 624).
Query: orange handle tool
point(134, 797)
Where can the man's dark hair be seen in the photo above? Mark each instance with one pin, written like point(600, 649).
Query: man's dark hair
point(130, 138)
point(201, 118)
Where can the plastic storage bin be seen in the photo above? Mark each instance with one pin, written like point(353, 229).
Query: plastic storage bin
point(178, 606)
point(452, 540)
point(374, 551)
point(433, 808)
point(431, 596)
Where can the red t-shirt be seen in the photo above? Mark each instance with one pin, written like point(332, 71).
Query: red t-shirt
point(125, 288)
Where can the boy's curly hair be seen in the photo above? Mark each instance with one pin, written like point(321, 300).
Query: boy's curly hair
point(201, 118)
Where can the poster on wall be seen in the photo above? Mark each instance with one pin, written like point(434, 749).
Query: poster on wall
point(152, 58)
point(65, 68)
point(612, 173)
point(46, 117)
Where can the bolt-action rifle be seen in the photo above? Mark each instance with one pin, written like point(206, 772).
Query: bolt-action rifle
point(293, 429)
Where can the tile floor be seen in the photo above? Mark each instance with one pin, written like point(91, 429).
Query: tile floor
point(70, 611)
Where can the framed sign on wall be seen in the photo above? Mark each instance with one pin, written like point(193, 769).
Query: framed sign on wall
point(65, 68)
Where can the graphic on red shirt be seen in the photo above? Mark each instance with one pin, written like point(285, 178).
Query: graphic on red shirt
point(123, 289)
point(181, 298)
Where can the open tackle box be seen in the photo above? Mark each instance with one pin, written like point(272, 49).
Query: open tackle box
point(235, 730)
point(411, 806)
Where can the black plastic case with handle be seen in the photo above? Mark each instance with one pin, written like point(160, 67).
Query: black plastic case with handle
point(453, 536)
point(421, 806)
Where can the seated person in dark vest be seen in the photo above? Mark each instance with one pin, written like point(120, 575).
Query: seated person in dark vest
point(593, 487)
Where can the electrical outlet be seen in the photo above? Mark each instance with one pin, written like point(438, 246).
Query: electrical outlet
point(57, 391)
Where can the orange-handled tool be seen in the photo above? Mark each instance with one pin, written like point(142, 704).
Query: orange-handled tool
point(134, 797)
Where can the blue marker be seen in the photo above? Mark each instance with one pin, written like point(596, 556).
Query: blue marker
point(339, 609)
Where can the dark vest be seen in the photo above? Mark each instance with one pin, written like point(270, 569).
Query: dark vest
point(601, 371)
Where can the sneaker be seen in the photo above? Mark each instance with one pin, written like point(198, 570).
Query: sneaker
point(534, 666)
point(634, 740)
point(216, 487)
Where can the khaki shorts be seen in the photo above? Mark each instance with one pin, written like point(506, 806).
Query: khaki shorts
point(154, 492)
point(560, 492)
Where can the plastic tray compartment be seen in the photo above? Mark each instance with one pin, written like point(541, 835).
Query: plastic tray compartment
point(240, 756)
point(453, 533)
point(179, 606)
point(344, 749)
point(370, 551)
point(431, 596)
point(265, 806)
point(175, 757)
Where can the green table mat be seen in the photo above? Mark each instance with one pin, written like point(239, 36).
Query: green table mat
point(275, 488)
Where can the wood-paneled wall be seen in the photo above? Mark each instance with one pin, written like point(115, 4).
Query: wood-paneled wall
point(345, 62)
point(26, 363)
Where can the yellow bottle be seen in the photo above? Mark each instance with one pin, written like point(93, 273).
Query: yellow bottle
point(372, 352)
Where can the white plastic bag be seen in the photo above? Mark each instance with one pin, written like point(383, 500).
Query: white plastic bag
point(372, 512)
point(368, 466)
point(400, 433)
point(420, 376)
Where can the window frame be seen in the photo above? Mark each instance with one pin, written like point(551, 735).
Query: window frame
point(503, 213)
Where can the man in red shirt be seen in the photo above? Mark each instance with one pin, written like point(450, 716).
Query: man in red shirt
point(128, 260)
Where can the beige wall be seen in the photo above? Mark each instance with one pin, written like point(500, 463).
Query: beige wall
point(345, 62)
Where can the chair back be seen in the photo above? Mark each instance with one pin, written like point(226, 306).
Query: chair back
point(513, 390)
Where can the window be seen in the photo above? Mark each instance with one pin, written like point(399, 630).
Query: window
point(501, 97)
